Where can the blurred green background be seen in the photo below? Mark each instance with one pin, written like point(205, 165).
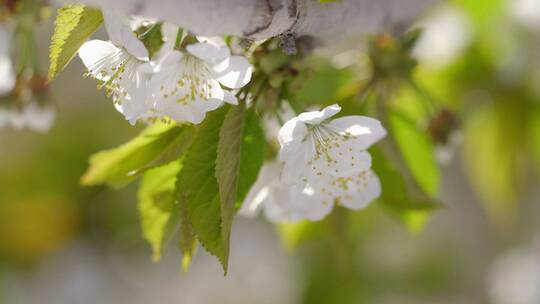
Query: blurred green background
point(479, 60)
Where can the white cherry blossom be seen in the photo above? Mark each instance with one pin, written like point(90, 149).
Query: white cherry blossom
point(289, 202)
point(188, 84)
point(122, 67)
point(313, 145)
point(323, 163)
point(279, 201)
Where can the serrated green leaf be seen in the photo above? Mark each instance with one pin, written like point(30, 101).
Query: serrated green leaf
point(154, 146)
point(157, 196)
point(73, 25)
point(199, 190)
point(188, 240)
point(417, 151)
point(240, 156)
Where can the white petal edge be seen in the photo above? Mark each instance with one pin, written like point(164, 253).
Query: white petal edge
point(230, 98)
point(292, 130)
point(233, 72)
point(370, 193)
point(95, 51)
point(113, 25)
point(367, 130)
point(208, 52)
point(316, 117)
point(121, 35)
point(261, 190)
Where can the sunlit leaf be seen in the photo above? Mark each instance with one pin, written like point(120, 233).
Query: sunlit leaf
point(157, 196)
point(417, 151)
point(156, 145)
point(74, 24)
point(482, 12)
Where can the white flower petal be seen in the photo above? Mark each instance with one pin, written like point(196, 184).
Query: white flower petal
point(358, 191)
point(230, 98)
point(261, 190)
point(133, 100)
point(292, 130)
point(134, 46)
point(121, 35)
point(300, 202)
point(169, 60)
point(208, 52)
point(39, 118)
point(316, 117)
point(100, 57)
point(233, 72)
point(114, 26)
point(339, 161)
point(169, 33)
point(7, 75)
point(365, 131)
point(295, 157)
point(182, 89)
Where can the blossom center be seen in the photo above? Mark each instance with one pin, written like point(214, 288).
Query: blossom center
point(193, 83)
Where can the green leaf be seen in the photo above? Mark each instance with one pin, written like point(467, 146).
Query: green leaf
point(151, 36)
point(535, 137)
point(294, 234)
point(188, 240)
point(199, 190)
point(401, 197)
point(157, 196)
point(327, 85)
point(156, 145)
point(415, 220)
point(240, 156)
point(74, 24)
point(397, 193)
point(417, 151)
point(493, 154)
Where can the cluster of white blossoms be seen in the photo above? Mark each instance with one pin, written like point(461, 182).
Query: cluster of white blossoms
point(32, 116)
point(179, 84)
point(27, 113)
point(322, 162)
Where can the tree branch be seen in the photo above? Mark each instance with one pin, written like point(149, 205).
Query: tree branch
point(259, 19)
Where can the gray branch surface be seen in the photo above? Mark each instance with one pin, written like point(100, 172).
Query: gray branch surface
point(259, 19)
